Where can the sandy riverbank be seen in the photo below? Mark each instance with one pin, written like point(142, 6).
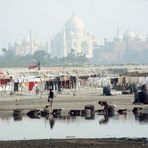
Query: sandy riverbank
point(67, 100)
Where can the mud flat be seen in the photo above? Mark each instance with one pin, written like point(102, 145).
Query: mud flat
point(66, 100)
point(77, 143)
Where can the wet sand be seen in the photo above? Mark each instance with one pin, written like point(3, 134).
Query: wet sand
point(76, 143)
point(69, 99)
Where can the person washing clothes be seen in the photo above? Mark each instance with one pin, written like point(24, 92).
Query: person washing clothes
point(106, 106)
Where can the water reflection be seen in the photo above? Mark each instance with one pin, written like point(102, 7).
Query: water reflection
point(104, 120)
point(56, 114)
point(17, 114)
point(141, 117)
point(18, 118)
point(51, 122)
point(98, 126)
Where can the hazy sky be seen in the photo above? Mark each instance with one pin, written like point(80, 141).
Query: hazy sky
point(46, 17)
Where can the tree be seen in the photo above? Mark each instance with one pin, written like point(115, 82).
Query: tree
point(4, 51)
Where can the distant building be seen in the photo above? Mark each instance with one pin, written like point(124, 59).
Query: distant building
point(73, 37)
point(126, 48)
point(27, 46)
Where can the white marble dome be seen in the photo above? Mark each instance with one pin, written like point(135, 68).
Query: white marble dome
point(25, 40)
point(18, 42)
point(119, 37)
point(139, 37)
point(36, 42)
point(75, 25)
point(71, 33)
point(129, 35)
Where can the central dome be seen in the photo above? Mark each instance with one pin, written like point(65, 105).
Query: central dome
point(129, 35)
point(75, 25)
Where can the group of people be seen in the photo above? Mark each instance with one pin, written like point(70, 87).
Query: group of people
point(51, 96)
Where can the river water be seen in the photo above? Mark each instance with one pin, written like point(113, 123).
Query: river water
point(100, 127)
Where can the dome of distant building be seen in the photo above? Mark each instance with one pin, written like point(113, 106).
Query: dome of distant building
point(129, 35)
point(71, 33)
point(119, 37)
point(138, 36)
point(36, 42)
point(25, 40)
point(74, 36)
point(18, 42)
point(27, 45)
point(75, 25)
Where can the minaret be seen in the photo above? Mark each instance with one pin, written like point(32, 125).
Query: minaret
point(64, 43)
point(118, 31)
point(30, 41)
point(73, 14)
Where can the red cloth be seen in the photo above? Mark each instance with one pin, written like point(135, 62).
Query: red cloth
point(3, 81)
point(31, 85)
point(33, 66)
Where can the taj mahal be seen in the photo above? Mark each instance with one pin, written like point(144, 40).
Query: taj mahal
point(128, 47)
point(73, 37)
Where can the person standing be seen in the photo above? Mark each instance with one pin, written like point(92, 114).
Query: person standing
point(51, 97)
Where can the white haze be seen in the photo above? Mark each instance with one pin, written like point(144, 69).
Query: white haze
point(46, 17)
